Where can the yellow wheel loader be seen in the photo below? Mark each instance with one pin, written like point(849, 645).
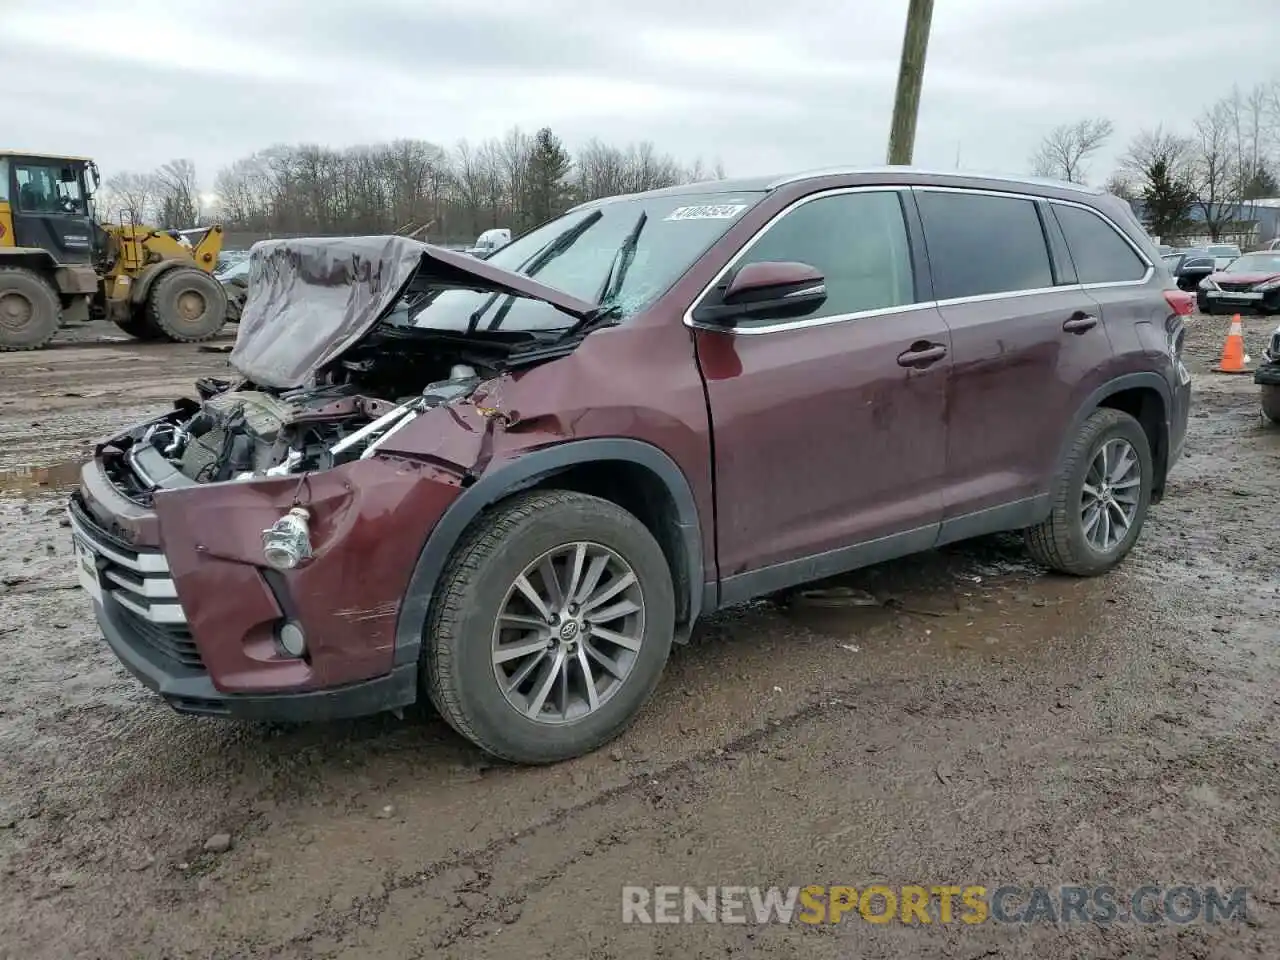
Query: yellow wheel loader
point(59, 265)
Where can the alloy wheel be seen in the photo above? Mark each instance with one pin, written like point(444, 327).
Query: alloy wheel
point(1110, 494)
point(568, 632)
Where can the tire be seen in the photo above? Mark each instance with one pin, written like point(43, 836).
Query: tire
point(1271, 402)
point(139, 327)
point(187, 305)
point(1060, 542)
point(30, 310)
point(458, 669)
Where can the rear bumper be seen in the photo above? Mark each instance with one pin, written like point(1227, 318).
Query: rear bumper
point(189, 689)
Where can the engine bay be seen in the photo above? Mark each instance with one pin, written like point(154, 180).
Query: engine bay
point(240, 431)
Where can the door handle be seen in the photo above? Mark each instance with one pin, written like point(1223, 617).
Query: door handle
point(922, 354)
point(1080, 323)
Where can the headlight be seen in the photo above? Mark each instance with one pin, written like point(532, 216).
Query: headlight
point(1268, 285)
point(287, 542)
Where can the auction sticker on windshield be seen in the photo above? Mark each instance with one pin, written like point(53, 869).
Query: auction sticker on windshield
point(707, 211)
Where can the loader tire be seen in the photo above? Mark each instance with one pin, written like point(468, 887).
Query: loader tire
point(30, 311)
point(139, 326)
point(187, 305)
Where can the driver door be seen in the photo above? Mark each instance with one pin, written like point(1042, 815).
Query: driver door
point(49, 209)
point(829, 430)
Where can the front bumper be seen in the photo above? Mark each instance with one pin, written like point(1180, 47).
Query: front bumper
point(1246, 300)
point(144, 623)
point(189, 689)
point(196, 619)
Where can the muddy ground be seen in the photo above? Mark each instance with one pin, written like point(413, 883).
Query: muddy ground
point(993, 725)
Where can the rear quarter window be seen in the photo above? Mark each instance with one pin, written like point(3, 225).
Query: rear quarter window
point(983, 244)
point(1100, 254)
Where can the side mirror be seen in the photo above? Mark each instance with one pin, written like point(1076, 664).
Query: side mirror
point(776, 289)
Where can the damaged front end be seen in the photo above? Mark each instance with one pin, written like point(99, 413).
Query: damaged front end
point(248, 551)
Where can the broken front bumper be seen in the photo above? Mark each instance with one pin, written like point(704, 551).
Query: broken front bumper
point(185, 599)
point(136, 605)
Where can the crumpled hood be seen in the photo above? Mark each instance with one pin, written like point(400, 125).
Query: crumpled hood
point(311, 300)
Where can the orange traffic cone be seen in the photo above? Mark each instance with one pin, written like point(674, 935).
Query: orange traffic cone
point(1233, 356)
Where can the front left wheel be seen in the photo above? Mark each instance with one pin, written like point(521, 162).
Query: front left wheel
point(550, 628)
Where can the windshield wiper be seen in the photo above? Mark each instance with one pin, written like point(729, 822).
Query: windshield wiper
point(535, 263)
point(622, 261)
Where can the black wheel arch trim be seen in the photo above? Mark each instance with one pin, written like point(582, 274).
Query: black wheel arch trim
point(1129, 381)
point(526, 471)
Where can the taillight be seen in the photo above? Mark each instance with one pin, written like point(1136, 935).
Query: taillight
point(1183, 304)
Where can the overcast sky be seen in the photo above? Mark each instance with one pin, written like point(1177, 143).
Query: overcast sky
point(763, 86)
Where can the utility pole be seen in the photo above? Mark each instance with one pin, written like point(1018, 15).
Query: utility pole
point(906, 103)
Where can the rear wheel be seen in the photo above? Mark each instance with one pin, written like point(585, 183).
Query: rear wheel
point(30, 311)
point(1100, 500)
point(550, 627)
point(187, 305)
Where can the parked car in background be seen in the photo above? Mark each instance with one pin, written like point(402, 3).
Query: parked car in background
point(509, 485)
point(1189, 267)
point(1271, 244)
point(490, 241)
point(1250, 282)
point(235, 279)
point(228, 260)
point(1223, 253)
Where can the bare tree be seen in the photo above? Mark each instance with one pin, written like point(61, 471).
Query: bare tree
point(1162, 165)
point(515, 180)
point(1120, 184)
point(1215, 174)
point(177, 193)
point(128, 198)
point(1063, 153)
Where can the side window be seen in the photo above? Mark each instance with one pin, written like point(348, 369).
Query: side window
point(4, 180)
point(1101, 255)
point(983, 244)
point(42, 189)
point(857, 240)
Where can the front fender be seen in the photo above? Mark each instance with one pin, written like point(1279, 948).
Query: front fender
point(522, 472)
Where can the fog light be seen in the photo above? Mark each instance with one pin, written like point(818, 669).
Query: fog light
point(287, 542)
point(292, 640)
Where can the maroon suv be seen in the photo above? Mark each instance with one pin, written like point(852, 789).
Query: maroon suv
point(510, 484)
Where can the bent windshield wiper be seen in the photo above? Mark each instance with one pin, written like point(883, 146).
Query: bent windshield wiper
point(535, 263)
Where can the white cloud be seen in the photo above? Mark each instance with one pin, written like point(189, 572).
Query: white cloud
point(765, 87)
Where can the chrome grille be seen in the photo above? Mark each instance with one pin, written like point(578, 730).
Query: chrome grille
point(138, 579)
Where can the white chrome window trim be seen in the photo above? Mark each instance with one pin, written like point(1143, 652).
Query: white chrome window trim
point(692, 324)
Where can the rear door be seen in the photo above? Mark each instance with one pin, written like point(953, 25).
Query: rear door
point(1113, 272)
point(829, 430)
point(1024, 333)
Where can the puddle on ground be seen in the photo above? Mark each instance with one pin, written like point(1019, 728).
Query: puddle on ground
point(24, 481)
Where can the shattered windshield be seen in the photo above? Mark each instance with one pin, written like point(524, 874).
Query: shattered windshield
point(598, 254)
